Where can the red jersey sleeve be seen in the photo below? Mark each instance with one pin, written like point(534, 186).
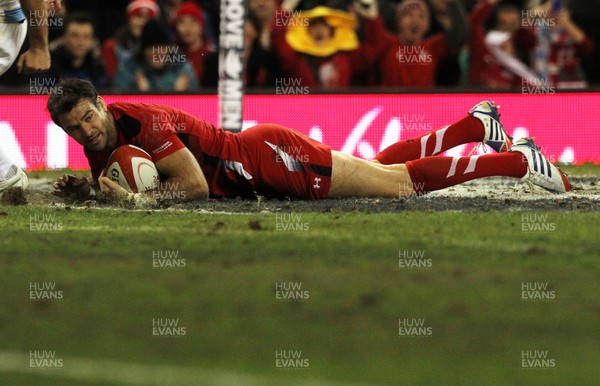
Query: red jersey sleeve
point(151, 127)
point(166, 146)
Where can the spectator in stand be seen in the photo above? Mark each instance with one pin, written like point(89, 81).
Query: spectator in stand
point(411, 60)
point(503, 69)
point(560, 44)
point(263, 12)
point(77, 56)
point(320, 48)
point(448, 70)
point(189, 28)
point(496, 57)
point(169, 10)
point(126, 40)
point(261, 66)
point(262, 63)
point(158, 66)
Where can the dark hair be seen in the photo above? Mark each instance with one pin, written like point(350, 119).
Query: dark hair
point(71, 91)
point(154, 34)
point(492, 21)
point(79, 17)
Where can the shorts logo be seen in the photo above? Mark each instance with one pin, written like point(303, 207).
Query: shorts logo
point(316, 185)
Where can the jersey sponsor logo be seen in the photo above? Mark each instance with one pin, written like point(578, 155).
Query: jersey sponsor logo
point(162, 147)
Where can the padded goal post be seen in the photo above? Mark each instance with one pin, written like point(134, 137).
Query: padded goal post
point(231, 64)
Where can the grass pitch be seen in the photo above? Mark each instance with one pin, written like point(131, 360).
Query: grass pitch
point(348, 289)
point(106, 296)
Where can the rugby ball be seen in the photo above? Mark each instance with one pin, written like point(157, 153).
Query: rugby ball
point(133, 169)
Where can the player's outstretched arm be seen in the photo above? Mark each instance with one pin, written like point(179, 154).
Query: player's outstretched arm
point(184, 181)
point(185, 176)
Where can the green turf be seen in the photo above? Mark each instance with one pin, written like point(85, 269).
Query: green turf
point(586, 169)
point(470, 297)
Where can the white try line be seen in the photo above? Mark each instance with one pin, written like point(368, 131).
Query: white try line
point(101, 370)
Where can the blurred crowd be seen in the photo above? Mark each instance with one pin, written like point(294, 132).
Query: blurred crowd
point(172, 45)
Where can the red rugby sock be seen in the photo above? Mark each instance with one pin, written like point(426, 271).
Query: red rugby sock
point(434, 173)
point(468, 129)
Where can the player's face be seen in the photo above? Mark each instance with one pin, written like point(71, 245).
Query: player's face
point(90, 125)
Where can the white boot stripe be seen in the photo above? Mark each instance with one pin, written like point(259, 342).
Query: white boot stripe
point(541, 171)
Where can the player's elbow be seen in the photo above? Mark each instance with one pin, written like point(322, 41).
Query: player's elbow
point(197, 192)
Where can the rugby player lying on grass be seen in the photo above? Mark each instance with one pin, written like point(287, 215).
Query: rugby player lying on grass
point(202, 161)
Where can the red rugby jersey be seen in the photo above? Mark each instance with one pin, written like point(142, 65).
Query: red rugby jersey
point(162, 130)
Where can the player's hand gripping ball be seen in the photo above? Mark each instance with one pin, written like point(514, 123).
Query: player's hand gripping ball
point(133, 169)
